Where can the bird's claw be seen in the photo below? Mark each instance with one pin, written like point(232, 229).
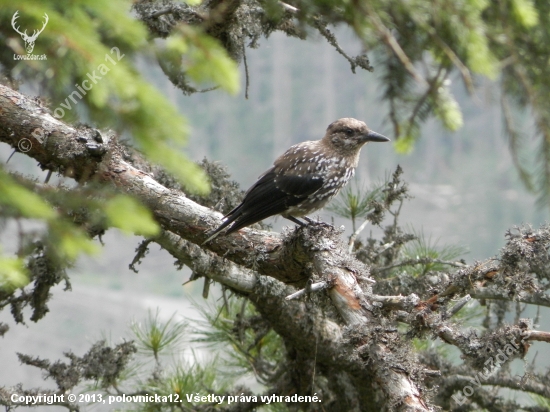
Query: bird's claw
point(313, 222)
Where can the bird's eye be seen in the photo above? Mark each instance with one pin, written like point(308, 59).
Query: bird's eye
point(348, 132)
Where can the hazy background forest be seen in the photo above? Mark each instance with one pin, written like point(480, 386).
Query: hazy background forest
point(465, 187)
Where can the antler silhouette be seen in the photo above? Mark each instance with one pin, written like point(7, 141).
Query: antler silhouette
point(29, 40)
point(13, 19)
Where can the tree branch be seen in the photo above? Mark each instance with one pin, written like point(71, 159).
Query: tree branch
point(77, 153)
point(207, 263)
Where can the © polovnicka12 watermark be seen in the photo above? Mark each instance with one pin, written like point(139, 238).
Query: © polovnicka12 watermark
point(29, 40)
point(87, 84)
point(24, 145)
point(492, 364)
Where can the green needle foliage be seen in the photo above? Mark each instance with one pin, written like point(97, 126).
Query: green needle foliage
point(156, 336)
point(182, 380)
point(355, 202)
point(427, 252)
point(254, 347)
point(240, 346)
point(540, 401)
point(12, 274)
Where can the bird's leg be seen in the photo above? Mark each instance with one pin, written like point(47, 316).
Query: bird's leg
point(298, 222)
point(311, 221)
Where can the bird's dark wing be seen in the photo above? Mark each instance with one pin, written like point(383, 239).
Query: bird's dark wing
point(294, 176)
point(272, 194)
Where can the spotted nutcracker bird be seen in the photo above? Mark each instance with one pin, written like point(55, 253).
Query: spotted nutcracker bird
point(305, 178)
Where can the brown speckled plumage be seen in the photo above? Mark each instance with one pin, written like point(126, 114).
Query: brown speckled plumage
point(305, 177)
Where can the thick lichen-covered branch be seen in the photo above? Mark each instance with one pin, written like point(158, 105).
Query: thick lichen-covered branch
point(351, 325)
point(279, 258)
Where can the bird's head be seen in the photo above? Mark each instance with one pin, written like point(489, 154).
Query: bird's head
point(346, 136)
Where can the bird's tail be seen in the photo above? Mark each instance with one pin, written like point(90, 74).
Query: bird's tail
point(230, 218)
point(216, 232)
point(214, 236)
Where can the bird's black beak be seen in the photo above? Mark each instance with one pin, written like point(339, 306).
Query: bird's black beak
point(371, 136)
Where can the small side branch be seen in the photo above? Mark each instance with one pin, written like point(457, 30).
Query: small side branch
point(539, 298)
point(421, 261)
point(311, 287)
point(406, 303)
point(537, 335)
point(208, 264)
point(459, 305)
point(355, 234)
point(161, 12)
point(361, 61)
point(288, 7)
point(393, 44)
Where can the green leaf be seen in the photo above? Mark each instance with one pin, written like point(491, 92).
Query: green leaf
point(448, 110)
point(13, 274)
point(201, 57)
point(23, 200)
point(130, 216)
point(208, 61)
point(73, 241)
point(176, 46)
point(193, 2)
point(404, 145)
point(479, 55)
point(189, 173)
point(525, 12)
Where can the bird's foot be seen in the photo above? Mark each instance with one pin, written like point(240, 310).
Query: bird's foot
point(309, 221)
point(298, 222)
point(318, 223)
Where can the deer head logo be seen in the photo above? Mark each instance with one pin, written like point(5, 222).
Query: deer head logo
point(29, 40)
